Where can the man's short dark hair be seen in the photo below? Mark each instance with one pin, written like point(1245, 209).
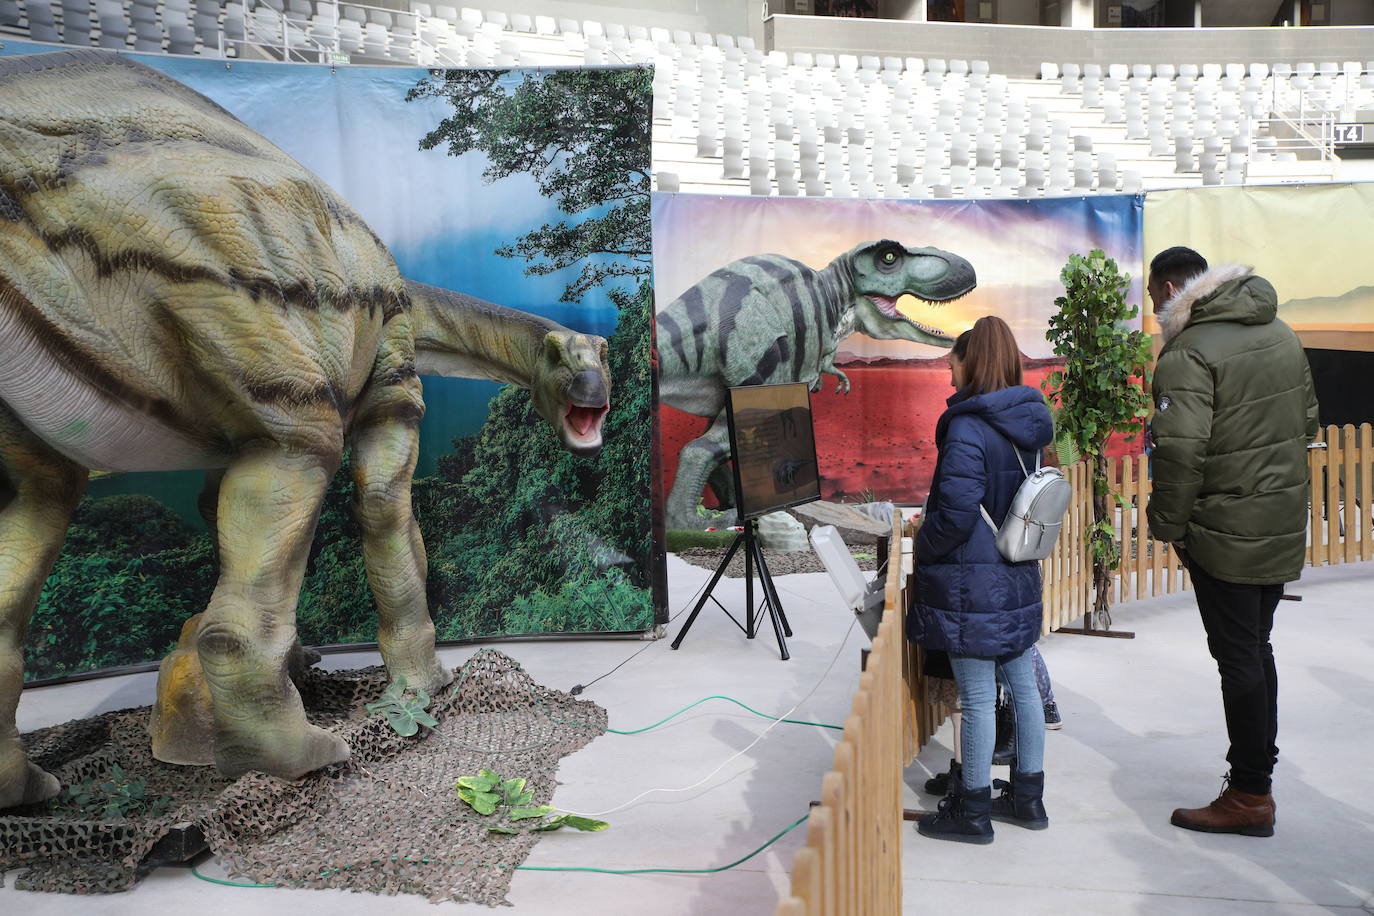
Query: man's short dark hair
point(1177, 265)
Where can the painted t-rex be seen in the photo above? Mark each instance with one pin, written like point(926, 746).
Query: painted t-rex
point(178, 293)
point(769, 319)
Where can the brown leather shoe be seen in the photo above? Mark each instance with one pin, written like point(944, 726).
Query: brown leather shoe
point(1233, 812)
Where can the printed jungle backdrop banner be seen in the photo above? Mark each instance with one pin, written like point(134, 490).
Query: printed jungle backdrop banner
point(877, 441)
point(1313, 243)
point(524, 188)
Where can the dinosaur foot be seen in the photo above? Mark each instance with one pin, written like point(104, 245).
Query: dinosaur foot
point(182, 722)
point(22, 783)
point(288, 753)
point(430, 676)
point(694, 522)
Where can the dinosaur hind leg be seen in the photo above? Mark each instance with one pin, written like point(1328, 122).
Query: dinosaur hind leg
point(207, 504)
point(182, 721)
point(696, 464)
point(384, 456)
point(39, 490)
point(268, 504)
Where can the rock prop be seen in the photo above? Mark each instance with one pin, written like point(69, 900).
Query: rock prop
point(870, 518)
point(780, 531)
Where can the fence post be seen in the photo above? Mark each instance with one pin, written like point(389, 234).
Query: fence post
point(1365, 473)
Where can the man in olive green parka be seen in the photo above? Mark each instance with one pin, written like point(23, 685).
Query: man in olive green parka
point(1234, 411)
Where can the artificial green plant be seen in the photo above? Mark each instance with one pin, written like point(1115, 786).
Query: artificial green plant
point(110, 798)
point(404, 712)
point(1099, 391)
point(488, 794)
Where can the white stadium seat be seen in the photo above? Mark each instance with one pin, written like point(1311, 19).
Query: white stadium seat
point(814, 122)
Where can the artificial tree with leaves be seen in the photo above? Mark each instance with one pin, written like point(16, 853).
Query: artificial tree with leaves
point(1099, 392)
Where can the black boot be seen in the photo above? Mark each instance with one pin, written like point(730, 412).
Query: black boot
point(962, 818)
point(942, 783)
point(1004, 752)
point(1022, 800)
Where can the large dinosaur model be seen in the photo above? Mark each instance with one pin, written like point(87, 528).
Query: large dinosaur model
point(769, 319)
point(178, 293)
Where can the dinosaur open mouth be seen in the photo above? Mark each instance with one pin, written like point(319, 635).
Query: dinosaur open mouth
point(888, 306)
point(585, 422)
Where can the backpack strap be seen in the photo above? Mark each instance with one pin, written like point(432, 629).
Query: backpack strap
point(1017, 452)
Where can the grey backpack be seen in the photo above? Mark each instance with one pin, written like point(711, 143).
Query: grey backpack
point(1036, 514)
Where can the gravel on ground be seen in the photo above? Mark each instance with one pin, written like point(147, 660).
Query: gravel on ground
point(780, 563)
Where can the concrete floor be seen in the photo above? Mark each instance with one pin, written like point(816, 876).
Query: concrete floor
point(1143, 733)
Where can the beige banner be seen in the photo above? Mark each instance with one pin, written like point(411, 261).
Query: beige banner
point(1315, 243)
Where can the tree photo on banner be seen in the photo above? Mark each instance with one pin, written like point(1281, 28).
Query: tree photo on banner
point(882, 369)
point(528, 190)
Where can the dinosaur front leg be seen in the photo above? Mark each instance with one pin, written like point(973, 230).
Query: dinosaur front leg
point(39, 490)
point(268, 504)
point(827, 367)
point(842, 387)
point(384, 456)
point(696, 463)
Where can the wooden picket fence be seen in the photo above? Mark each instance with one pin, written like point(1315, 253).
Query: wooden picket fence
point(851, 863)
point(1340, 529)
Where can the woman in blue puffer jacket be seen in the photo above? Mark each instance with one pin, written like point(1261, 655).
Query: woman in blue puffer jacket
point(971, 602)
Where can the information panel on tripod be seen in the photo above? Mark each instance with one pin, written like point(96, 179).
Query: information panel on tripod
point(774, 456)
point(773, 444)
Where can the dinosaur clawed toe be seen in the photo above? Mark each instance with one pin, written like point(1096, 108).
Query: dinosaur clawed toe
point(21, 782)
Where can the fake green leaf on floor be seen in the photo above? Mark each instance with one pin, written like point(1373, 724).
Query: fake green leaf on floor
point(404, 713)
point(507, 803)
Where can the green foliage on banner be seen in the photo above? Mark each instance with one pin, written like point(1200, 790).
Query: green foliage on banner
point(584, 136)
point(1099, 391)
point(130, 574)
point(525, 537)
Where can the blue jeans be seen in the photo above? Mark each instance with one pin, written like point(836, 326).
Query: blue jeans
point(1042, 676)
point(977, 680)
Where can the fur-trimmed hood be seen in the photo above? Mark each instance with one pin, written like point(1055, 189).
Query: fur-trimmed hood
point(1231, 292)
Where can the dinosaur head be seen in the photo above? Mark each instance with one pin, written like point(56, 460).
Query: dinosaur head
point(884, 271)
point(571, 388)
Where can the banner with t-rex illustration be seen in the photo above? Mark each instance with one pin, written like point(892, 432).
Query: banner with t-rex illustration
point(223, 285)
point(862, 299)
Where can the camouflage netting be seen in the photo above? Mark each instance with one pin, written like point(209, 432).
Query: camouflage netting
point(387, 821)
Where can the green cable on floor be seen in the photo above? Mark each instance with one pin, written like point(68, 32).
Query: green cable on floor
point(621, 871)
point(603, 871)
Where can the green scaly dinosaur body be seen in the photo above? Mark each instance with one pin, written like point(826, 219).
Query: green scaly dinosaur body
point(176, 292)
point(769, 319)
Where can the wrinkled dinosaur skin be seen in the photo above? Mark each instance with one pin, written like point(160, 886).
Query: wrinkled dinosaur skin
point(178, 293)
point(769, 319)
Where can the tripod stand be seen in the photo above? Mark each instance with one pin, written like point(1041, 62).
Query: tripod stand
point(753, 557)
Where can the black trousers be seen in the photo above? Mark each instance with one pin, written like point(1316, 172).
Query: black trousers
point(1238, 620)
